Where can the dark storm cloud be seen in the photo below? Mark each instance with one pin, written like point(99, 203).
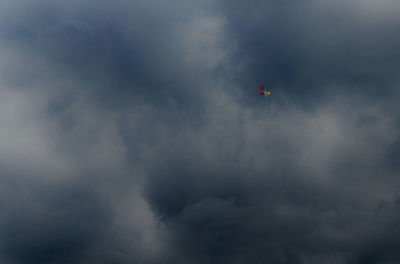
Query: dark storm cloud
point(315, 199)
point(120, 51)
point(130, 132)
point(302, 47)
point(45, 228)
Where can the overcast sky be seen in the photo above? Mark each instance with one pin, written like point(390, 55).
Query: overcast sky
point(132, 132)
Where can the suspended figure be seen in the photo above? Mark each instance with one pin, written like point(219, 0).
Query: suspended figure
point(264, 93)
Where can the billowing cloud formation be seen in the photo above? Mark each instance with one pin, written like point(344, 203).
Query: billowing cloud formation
point(131, 132)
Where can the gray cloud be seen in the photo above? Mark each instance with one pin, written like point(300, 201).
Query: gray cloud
point(132, 132)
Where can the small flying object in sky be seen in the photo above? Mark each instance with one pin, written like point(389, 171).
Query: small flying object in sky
point(264, 93)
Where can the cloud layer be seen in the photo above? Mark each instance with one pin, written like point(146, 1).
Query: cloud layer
point(132, 132)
